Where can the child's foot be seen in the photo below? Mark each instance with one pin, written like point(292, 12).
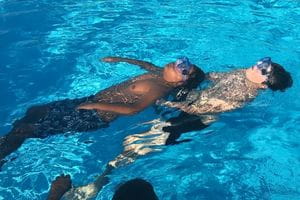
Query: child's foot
point(59, 187)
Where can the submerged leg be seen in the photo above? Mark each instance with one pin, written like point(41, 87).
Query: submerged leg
point(54, 118)
point(182, 124)
point(22, 129)
point(8, 144)
point(13, 140)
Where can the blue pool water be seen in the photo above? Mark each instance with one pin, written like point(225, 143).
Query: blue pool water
point(50, 50)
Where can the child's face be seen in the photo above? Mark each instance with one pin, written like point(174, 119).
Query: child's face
point(256, 75)
point(172, 74)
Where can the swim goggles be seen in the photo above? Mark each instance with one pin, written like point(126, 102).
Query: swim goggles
point(184, 66)
point(265, 65)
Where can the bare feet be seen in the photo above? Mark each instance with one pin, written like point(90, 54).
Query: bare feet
point(59, 187)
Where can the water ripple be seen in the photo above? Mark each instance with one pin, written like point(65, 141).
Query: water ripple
point(51, 51)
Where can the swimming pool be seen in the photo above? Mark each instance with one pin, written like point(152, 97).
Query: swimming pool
point(50, 51)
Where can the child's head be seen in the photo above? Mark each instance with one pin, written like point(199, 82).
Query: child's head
point(178, 71)
point(279, 78)
point(136, 189)
point(270, 75)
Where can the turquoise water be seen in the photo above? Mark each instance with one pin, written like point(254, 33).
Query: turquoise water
point(50, 51)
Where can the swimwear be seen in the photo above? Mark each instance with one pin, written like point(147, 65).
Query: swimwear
point(232, 88)
point(228, 91)
point(62, 117)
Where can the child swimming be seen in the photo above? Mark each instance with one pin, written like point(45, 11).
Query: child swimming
point(96, 111)
point(228, 91)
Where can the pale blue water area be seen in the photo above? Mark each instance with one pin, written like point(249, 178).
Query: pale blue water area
point(50, 50)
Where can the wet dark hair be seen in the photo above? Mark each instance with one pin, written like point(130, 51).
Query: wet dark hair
point(136, 189)
point(279, 78)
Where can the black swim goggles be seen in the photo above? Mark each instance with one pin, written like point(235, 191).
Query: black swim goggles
point(184, 66)
point(265, 66)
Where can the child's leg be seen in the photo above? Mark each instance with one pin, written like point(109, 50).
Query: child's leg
point(14, 139)
point(49, 119)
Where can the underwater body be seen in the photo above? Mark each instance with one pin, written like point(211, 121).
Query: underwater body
point(50, 51)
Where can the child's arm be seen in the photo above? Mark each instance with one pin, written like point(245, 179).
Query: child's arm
point(143, 64)
point(126, 109)
point(122, 108)
point(210, 106)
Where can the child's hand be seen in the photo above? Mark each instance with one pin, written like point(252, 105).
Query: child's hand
point(160, 102)
point(110, 59)
point(86, 106)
